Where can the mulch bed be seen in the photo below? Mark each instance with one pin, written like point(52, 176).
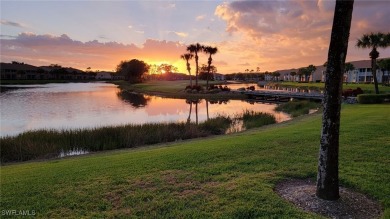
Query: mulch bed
point(350, 205)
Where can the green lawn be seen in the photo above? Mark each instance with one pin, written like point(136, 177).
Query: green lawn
point(229, 176)
point(367, 88)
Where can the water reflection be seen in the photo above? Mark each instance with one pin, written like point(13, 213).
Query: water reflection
point(134, 99)
point(90, 105)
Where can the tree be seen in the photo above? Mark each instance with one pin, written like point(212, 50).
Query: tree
point(204, 73)
point(310, 70)
point(374, 41)
point(132, 70)
point(188, 57)
point(293, 73)
point(328, 161)
point(384, 64)
point(275, 75)
point(301, 72)
point(211, 51)
point(195, 49)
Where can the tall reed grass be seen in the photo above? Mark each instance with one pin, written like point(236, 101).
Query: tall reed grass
point(44, 144)
point(297, 107)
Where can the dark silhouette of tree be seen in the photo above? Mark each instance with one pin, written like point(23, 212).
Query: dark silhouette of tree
point(206, 71)
point(210, 51)
point(275, 75)
point(311, 69)
point(188, 57)
point(293, 73)
point(132, 70)
point(134, 99)
point(328, 161)
point(302, 72)
point(374, 41)
point(384, 65)
point(195, 49)
point(349, 67)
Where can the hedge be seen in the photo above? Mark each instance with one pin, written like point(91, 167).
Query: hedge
point(373, 98)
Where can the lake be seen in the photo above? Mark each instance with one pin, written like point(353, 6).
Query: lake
point(90, 105)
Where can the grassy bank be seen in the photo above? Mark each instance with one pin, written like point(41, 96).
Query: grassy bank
point(175, 89)
point(367, 88)
point(43, 144)
point(229, 176)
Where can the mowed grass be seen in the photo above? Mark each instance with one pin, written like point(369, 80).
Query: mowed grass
point(230, 176)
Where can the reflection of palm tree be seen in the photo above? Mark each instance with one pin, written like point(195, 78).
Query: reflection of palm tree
point(187, 57)
point(195, 48)
point(211, 51)
point(207, 109)
point(196, 102)
point(374, 40)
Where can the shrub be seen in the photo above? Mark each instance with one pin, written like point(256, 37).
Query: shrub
point(351, 92)
point(297, 108)
point(373, 98)
point(252, 119)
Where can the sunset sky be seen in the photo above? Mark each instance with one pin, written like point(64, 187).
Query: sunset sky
point(272, 35)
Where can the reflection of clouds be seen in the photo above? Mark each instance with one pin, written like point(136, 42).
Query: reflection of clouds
point(35, 108)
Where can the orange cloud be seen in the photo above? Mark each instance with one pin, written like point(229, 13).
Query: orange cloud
point(49, 49)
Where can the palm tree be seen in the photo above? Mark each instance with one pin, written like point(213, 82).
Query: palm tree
point(211, 51)
point(311, 69)
point(293, 73)
point(328, 161)
point(194, 49)
point(187, 57)
point(348, 67)
point(384, 64)
point(374, 41)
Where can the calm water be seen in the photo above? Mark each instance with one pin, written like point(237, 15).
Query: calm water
point(88, 105)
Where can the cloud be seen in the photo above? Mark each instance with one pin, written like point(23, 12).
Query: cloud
point(11, 23)
point(139, 31)
point(296, 32)
point(200, 17)
point(176, 33)
point(49, 49)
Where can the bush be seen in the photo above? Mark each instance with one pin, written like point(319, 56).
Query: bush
point(373, 98)
point(252, 119)
point(194, 87)
point(350, 92)
point(297, 108)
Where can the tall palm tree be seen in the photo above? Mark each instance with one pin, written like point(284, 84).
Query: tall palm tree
point(211, 51)
point(194, 49)
point(187, 57)
point(374, 41)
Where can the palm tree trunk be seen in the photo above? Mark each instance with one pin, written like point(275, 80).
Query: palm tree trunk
point(196, 112)
point(373, 69)
point(328, 161)
point(208, 72)
point(196, 62)
point(207, 109)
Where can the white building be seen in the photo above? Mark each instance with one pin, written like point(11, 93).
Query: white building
point(103, 75)
point(363, 73)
